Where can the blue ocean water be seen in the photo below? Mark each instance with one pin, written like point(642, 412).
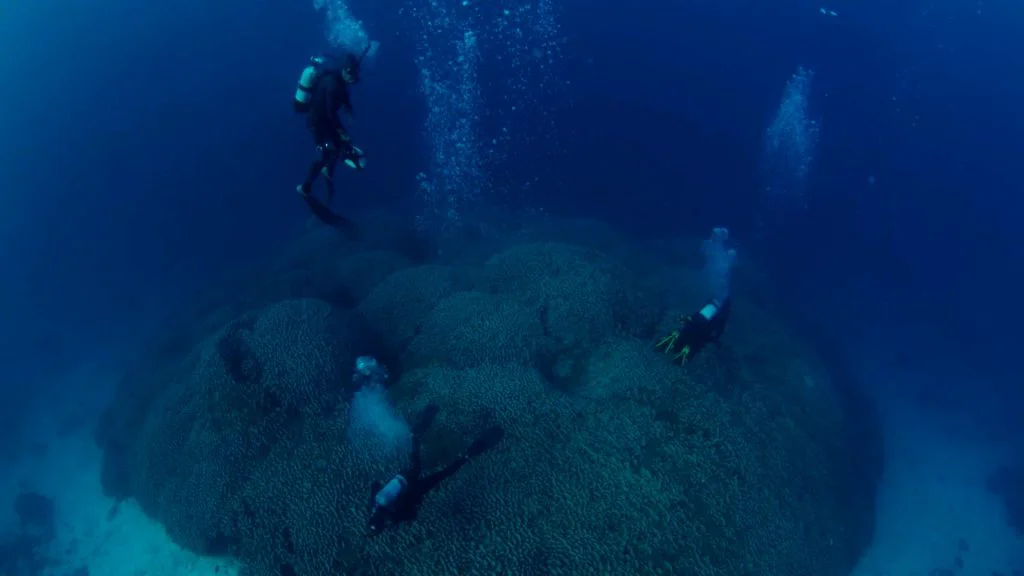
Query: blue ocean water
point(863, 156)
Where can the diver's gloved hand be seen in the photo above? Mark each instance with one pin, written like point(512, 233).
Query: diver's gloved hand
point(354, 158)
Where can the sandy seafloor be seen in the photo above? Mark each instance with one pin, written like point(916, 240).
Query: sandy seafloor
point(933, 506)
point(127, 543)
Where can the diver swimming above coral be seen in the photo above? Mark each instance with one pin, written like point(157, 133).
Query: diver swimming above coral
point(400, 498)
point(706, 325)
point(322, 92)
point(697, 330)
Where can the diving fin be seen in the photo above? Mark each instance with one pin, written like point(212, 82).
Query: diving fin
point(425, 419)
point(485, 441)
point(325, 215)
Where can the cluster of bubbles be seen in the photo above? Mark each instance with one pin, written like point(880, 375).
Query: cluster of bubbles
point(449, 82)
point(344, 30)
point(790, 141)
point(475, 130)
point(719, 259)
point(529, 46)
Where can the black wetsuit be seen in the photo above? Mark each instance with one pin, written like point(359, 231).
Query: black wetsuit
point(329, 95)
point(697, 331)
point(405, 507)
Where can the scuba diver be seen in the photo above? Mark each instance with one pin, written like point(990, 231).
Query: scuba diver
point(697, 330)
point(400, 498)
point(706, 326)
point(323, 91)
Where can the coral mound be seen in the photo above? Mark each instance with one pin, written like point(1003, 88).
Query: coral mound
point(754, 459)
point(252, 387)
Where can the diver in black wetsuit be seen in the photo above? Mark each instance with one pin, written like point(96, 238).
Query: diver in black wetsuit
point(697, 330)
point(706, 325)
point(322, 94)
point(400, 498)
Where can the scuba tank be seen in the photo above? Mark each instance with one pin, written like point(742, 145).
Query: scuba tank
point(391, 491)
point(710, 310)
point(307, 79)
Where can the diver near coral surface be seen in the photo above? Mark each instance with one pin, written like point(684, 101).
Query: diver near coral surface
point(706, 325)
point(323, 91)
point(400, 498)
point(697, 330)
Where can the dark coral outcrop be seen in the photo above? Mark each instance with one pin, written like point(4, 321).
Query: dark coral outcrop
point(254, 386)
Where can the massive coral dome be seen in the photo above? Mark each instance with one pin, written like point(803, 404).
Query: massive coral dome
point(755, 459)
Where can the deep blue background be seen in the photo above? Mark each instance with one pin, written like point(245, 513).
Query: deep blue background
point(145, 147)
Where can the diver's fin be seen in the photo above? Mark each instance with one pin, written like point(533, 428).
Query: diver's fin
point(485, 441)
point(325, 215)
point(425, 419)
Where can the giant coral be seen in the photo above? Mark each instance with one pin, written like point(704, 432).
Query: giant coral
point(750, 461)
point(470, 328)
point(245, 390)
point(582, 296)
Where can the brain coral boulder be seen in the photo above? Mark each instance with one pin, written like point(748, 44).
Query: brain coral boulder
point(582, 296)
point(400, 303)
point(752, 460)
point(471, 328)
point(245, 390)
